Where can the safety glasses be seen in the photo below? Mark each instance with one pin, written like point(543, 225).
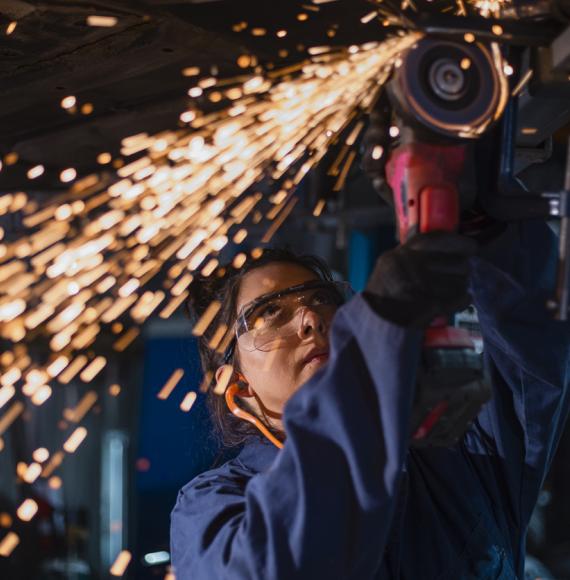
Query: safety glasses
point(270, 320)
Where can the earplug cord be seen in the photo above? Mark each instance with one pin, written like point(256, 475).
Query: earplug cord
point(231, 392)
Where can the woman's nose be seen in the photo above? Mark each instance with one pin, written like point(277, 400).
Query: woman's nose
point(312, 322)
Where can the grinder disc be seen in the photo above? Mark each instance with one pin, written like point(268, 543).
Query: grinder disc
point(455, 90)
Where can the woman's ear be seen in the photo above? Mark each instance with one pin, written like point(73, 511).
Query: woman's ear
point(223, 377)
point(226, 374)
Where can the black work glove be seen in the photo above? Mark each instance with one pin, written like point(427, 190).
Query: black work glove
point(422, 279)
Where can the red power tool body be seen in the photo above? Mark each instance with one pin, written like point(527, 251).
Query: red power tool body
point(423, 178)
point(451, 387)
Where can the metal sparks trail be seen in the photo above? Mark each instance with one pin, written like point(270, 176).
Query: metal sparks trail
point(103, 257)
point(488, 8)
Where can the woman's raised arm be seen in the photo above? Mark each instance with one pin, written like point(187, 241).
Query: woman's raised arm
point(324, 507)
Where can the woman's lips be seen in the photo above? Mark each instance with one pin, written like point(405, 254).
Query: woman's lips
point(318, 359)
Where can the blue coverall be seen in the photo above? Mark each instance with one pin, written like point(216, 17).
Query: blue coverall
point(347, 499)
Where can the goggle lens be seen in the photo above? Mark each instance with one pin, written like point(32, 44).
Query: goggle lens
point(268, 323)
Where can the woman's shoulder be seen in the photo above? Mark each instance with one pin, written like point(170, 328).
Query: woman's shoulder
point(203, 506)
point(231, 478)
point(205, 498)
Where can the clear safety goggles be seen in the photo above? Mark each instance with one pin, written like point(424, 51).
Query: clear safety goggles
point(267, 322)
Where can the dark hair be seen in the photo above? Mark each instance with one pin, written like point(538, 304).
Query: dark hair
point(223, 286)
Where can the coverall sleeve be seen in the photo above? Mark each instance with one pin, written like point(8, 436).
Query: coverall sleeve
point(324, 507)
point(528, 354)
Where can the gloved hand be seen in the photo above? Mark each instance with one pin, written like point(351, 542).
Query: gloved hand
point(422, 279)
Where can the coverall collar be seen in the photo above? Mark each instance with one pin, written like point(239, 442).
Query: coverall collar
point(257, 454)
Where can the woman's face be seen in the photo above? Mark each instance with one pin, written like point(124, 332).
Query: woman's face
point(275, 374)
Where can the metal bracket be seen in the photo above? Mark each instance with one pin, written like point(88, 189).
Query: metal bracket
point(560, 207)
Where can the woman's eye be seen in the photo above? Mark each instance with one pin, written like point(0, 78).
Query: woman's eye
point(269, 311)
point(323, 297)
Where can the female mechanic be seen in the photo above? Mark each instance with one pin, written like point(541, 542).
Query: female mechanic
point(331, 489)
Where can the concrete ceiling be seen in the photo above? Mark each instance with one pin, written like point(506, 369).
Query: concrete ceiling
point(130, 73)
